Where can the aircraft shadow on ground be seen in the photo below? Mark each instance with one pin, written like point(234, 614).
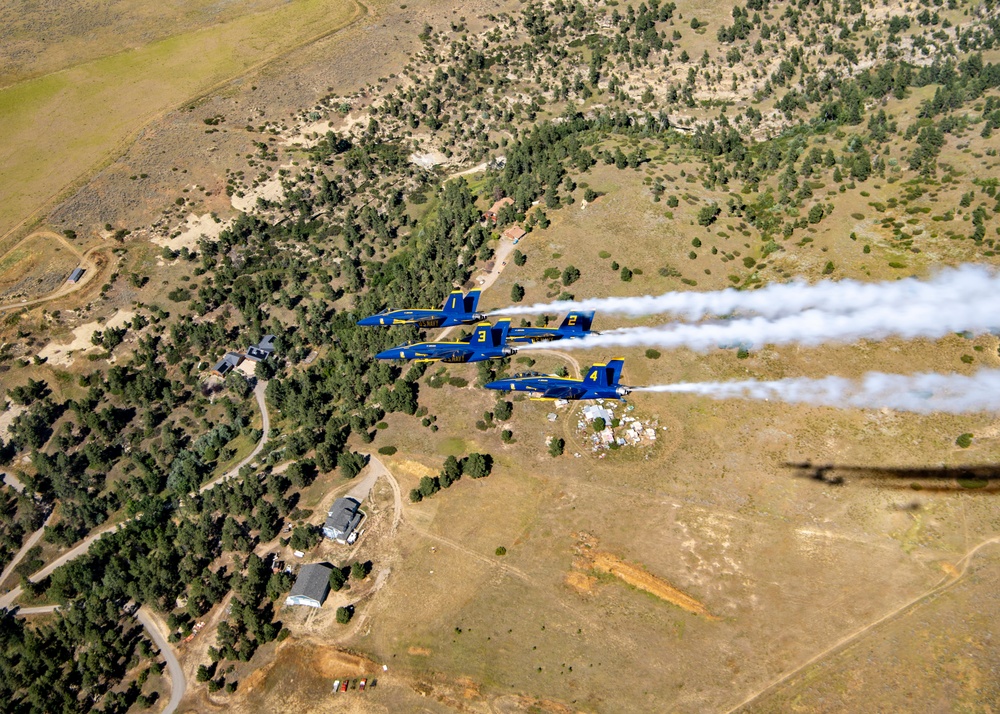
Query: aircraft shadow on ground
point(933, 479)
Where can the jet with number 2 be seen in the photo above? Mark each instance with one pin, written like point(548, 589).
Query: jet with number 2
point(458, 309)
point(487, 342)
point(576, 324)
point(600, 382)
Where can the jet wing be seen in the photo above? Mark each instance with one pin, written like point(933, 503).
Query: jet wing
point(563, 391)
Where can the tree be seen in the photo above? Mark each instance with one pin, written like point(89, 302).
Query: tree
point(570, 275)
point(519, 258)
point(503, 410)
point(708, 214)
point(359, 571)
point(599, 424)
point(344, 614)
point(337, 579)
point(516, 293)
point(590, 195)
point(556, 447)
point(478, 465)
point(351, 464)
point(626, 275)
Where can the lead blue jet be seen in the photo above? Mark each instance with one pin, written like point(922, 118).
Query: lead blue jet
point(486, 342)
point(600, 382)
point(576, 324)
point(458, 309)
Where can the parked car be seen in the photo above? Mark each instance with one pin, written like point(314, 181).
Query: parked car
point(336, 685)
point(343, 685)
point(361, 684)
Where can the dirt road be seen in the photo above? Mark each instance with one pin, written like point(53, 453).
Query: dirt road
point(178, 684)
point(947, 582)
point(85, 260)
point(28, 545)
point(258, 393)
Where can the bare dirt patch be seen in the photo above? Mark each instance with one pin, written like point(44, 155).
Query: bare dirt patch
point(194, 229)
point(634, 575)
point(64, 354)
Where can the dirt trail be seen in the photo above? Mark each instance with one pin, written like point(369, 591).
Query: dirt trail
point(947, 582)
point(91, 268)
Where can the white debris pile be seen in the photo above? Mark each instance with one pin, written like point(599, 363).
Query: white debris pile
point(616, 433)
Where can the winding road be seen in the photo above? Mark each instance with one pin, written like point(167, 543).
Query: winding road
point(178, 683)
point(66, 288)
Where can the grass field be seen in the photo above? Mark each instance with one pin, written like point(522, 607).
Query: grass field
point(59, 126)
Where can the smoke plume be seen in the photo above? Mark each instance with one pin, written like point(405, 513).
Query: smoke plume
point(922, 393)
point(955, 286)
point(813, 327)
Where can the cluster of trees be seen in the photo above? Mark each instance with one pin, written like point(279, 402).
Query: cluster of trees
point(475, 465)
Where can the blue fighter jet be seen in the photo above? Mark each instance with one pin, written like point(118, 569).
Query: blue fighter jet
point(576, 324)
point(487, 342)
point(458, 309)
point(600, 382)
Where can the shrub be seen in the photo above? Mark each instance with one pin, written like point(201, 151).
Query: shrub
point(516, 293)
point(344, 615)
point(501, 550)
point(626, 275)
point(965, 440)
point(387, 450)
point(556, 447)
point(708, 214)
point(570, 275)
point(652, 354)
point(828, 268)
point(604, 254)
point(599, 424)
point(590, 195)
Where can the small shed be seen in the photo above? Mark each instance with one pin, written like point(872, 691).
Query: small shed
point(75, 276)
point(311, 586)
point(494, 211)
point(342, 518)
point(227, 364)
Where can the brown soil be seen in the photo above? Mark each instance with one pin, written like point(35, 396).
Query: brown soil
point(634, 575)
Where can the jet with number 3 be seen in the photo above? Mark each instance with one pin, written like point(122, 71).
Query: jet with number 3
point(486, 342)
point(600, 382)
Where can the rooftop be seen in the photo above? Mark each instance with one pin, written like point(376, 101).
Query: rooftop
point(313, 583)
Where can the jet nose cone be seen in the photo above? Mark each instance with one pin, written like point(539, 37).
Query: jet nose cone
point(368, 321)
point(388, 354)
point(493, 385)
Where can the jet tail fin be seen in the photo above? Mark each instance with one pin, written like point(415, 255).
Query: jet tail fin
point(499, 332)
point(459, 304)
point(577, 323)
point(605, 375)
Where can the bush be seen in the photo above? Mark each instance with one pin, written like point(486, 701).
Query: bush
point(344, 615)
point(626, 275)
point(516, 293)
point(359, 571)
point(387, 450)
point(477, 465)
point(519, 258)
point(570, 275)
point(708, 214)
point(590, 195)
point(652, 354)
point(828, 268)
point(556, 447)
point(965, 440)
point(416, 496)
point(501, 550)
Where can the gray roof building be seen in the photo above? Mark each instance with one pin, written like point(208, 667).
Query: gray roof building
point(76, 275)
point(228, 363)
point(342, 518)
point(262, 350)
point(311, 587)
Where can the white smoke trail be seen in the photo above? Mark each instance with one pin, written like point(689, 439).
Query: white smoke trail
point(922, 393)
point(812, 327)
point(955, 285)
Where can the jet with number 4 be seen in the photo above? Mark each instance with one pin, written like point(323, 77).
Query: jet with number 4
point(600, 382)
point(576, 324)
point(486, 342)
point(458, 309)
